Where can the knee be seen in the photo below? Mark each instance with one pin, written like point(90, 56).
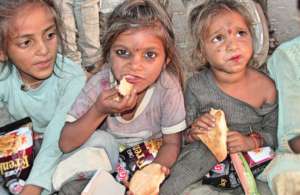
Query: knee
point(102, 139)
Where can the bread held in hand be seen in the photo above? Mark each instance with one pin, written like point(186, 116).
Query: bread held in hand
point(125, 87)
point(215, 139)
point(147, 180)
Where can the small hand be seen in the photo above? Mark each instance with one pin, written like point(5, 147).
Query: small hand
point(201, 125)
point(164, 169)
point(106, 104)
point(237, 142)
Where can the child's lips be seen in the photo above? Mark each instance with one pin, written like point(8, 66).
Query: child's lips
point(43, 64)
point(235, 58)
point(132, 79)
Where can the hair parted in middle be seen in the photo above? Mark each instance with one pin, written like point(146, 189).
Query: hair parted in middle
point(201, 16)
point(138, 14)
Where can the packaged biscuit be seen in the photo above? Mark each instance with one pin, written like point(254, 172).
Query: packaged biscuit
point(16, 154)
point(136, 157)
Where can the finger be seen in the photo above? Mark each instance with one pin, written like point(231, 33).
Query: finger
point(231, 150)
point(198, 130)
point(237, 146)
point(201, 125)
point(234, 144)
point(210, 118)
point(233, 133)
point(109, 92)
point(165, 170)
point(122, 104)
point(206, 121)
point(235, 149)
point(195, 137)
point(116, 106)
point(232, 138)
point(132, 99)
point(195, 133)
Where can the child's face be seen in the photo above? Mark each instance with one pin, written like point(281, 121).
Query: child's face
point(228, 43)
point(32, 45)
point(139, 55)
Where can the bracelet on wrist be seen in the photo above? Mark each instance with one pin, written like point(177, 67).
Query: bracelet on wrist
point(257, 139)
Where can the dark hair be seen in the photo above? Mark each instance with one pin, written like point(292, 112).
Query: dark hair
point(8, 8)
point(200, 17)
point(136, 14)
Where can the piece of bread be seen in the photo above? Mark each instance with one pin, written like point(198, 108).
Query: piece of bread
point(147, 180)
point(216, 138)
point(125, 87)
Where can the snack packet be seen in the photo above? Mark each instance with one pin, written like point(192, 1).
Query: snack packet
point(16, 154)
point(136, 157)
point(223, 175)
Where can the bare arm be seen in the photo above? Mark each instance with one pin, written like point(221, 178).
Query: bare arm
point(268, 132)
point(76, 133)
point(169, 151)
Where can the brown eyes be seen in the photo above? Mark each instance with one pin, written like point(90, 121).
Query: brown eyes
point(220, 38)
point(28, 42)
point(122, 53)
point(150, 55)
point(126, 54)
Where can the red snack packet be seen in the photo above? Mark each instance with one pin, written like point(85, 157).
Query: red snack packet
point(16, 153)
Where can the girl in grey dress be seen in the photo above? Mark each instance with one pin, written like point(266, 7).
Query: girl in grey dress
point(224, 44)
